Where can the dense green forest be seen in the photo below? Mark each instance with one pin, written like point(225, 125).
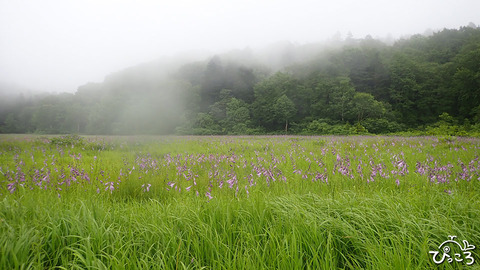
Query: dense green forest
point(428, 84)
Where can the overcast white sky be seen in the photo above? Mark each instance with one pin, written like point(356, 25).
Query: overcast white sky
point(58, 45)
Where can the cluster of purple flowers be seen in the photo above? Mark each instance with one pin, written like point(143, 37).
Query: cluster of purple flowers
point(51, 175)
point(236, 172)
point(443, 173)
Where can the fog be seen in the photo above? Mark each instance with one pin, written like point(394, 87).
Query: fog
point(57, 45)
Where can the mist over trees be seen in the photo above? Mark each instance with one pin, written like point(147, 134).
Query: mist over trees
point(354, 86)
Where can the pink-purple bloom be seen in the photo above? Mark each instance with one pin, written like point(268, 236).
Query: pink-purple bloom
point(146, 187)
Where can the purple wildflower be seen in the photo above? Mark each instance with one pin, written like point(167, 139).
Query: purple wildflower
point(230, 182)
point(146, 188)
point(109, 186)
point(12, 187)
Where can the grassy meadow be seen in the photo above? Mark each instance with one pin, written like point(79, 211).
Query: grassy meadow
point(69, 202)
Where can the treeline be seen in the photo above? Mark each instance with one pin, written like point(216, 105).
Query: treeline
point(428, 84)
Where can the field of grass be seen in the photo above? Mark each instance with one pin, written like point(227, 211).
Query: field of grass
point(237, 202)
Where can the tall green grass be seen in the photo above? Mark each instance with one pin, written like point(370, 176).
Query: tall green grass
point(297, 223)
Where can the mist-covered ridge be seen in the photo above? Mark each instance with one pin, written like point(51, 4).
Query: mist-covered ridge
point(342, 87)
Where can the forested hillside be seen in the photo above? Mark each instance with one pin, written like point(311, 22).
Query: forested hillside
point(427, 83)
